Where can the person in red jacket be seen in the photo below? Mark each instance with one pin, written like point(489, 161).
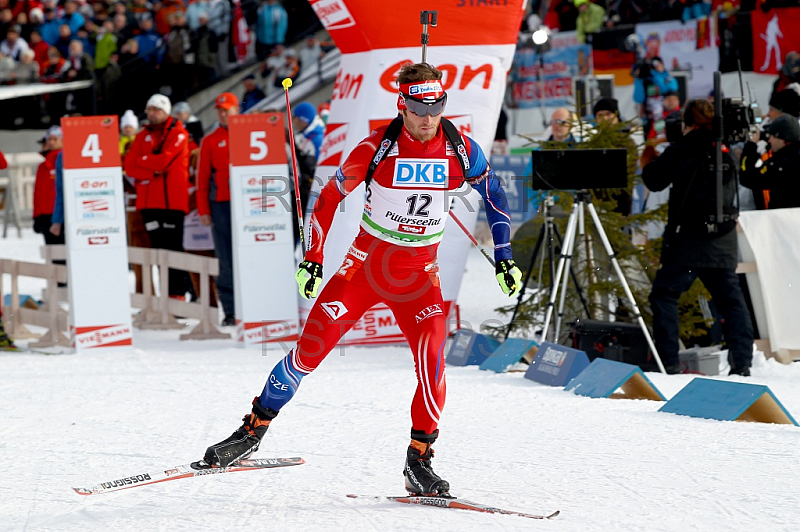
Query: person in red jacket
point(158, 161)
point(6, 342)
point(214, 199)
point(44, 188)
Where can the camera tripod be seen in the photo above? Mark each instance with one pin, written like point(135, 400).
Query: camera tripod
point(547, 232)
point(582, 201)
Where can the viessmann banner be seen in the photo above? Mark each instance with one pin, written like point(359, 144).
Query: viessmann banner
point(376, 39)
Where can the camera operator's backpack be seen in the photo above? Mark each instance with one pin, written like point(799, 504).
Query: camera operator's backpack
point(698, 209)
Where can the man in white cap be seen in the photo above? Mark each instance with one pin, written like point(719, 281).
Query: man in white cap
point(158, 161)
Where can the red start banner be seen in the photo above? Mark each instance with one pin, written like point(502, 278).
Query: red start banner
point(473, 45)
point(362, 25)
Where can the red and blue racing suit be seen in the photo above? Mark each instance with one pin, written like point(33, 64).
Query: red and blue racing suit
point(393, 259)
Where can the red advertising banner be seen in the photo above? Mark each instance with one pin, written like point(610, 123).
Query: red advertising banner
point(362, 25)
point(773, 38)
point(472, 44)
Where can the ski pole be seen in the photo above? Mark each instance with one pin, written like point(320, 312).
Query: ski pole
point(286, 84)
point(472, 238)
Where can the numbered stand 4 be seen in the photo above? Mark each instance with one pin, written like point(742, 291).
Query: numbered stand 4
point(94, 226)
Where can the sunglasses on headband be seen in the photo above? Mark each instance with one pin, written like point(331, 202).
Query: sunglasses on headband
point(435, 108)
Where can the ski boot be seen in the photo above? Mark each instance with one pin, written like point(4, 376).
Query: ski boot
point(244, 441)
point(5, 340)
point(419, 475)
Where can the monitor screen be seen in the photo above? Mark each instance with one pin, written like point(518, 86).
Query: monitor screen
point(580, 169)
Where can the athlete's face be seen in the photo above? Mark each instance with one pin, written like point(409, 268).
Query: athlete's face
point(422, 128)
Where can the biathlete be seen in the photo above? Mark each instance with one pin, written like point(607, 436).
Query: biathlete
point(412, 168)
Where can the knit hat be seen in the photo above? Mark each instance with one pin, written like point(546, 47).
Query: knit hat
point(181, 107)
point(785, 128)
point(579, 3)
point(55, 131)
point(606, 104)
point(128, 119)
point(788, 100)
point(791, 65)
point(159, 101)
point(305, 111)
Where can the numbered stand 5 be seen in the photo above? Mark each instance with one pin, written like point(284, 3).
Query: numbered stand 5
point(94, 227)
point(262, 223)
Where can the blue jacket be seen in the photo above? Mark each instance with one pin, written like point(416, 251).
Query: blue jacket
point(314, 133)
point(251, 98)
point(149, 45)
point(74, 21)
point(58, 208)
point(272, 24)
point(662, 80)
point(49, 31)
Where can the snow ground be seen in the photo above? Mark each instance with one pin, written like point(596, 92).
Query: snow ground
point(608, 465)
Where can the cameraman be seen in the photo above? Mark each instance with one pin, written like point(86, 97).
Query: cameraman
point(692, 247)
point(777, 177)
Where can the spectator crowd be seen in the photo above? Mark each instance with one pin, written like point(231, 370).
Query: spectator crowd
point(169, 46)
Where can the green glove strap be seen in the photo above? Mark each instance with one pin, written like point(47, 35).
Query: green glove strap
point(309, 278)
point(509, 276)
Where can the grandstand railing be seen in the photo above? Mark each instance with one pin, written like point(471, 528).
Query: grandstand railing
point(304, 86)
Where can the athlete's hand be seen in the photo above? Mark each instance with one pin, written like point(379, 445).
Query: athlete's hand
point(509, 276)
point(309, 277)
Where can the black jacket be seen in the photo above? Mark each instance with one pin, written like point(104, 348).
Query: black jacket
point(688, 166)
point(780, 175)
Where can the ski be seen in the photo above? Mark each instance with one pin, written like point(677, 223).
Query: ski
point(452, 502)
point(195, 469)
point(28, 351)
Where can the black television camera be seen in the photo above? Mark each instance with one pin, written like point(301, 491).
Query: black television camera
point(739, 120)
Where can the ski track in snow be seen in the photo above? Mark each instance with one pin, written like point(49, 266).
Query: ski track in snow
point(608, 465)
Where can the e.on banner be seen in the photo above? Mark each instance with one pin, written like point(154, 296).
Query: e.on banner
point(262, 221)
point(474, 64)
point(94, 225)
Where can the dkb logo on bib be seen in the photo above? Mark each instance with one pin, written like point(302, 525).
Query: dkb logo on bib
point(420, 173)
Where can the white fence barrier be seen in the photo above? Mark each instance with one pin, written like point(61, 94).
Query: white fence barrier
point(50, 315)
point(18, 189)
point(159, 311)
